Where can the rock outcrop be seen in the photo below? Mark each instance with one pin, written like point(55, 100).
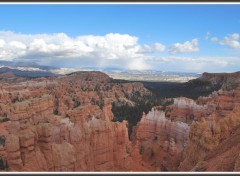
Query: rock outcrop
point(208, 133)
point(65, 123)
point(213, 132)
point(160, 140)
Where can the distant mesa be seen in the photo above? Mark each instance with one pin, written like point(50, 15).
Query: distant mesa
point(219, 80)
point(90, 75)
point(7, 74)
point(28, 74)
point(25, 64)
point(207, 76)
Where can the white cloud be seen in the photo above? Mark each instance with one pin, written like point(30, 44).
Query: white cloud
point(40, 45)
point(145, 49)
point(214, 39)
point(231, 40)
point(159, 47)
point(2, 43)
point(138, 64)
point(186, 47)
point(58, 49)
point(111, 50)
point(17, 44)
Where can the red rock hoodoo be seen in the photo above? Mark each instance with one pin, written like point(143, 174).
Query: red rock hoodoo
point(66, 124)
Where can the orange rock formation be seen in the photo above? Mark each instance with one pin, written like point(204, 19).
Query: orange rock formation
point(65, 124)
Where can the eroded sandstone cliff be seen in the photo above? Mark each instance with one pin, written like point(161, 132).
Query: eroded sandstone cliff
point(194, 135)
point(66, 124)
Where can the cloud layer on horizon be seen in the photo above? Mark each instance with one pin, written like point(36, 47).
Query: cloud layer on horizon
point(111, 49)
point(197, 64)
point(116, 50)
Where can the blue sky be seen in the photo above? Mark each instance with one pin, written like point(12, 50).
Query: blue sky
point(190, 38)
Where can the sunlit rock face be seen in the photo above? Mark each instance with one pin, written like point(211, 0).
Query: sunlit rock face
point(95, 144)
point(214, 137)
point(185, 110)
point(160, 140)
point(200, 135)
point(64, 124)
